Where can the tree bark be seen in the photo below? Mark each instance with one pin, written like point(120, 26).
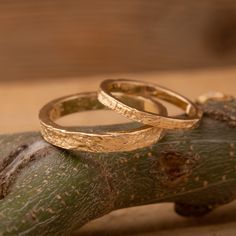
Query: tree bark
point(49, 191)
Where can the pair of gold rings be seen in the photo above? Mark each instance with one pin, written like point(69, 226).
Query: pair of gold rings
point(130, 99)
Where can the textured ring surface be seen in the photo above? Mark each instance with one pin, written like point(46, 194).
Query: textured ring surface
point(71, 138)
point(131, 87)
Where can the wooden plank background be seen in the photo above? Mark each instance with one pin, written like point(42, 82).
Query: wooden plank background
point(58, 38)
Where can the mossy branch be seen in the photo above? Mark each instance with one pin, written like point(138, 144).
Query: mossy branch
point(49, 191)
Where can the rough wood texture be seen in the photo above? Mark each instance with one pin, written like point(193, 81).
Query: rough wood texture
point(69, 38)
point(47, 191)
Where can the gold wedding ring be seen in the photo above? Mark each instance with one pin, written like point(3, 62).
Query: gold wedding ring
point(137, 88)
point(106, 141)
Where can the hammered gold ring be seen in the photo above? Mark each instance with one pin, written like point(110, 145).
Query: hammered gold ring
point(94, 141)
point(137, 88)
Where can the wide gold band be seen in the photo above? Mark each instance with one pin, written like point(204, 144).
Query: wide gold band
point(107, 97)
point(106, 141)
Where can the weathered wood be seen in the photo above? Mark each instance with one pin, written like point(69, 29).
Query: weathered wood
point(48, 191)
point(70, 38)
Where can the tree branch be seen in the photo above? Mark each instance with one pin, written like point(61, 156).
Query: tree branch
point(49, 191)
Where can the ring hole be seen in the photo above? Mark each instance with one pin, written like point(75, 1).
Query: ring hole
point(92, 118)
point(172, 110)
point(108, 117)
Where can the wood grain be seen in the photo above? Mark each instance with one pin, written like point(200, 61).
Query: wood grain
point(41, 39)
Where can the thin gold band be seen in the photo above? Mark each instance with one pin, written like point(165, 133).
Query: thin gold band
point(109, 87)
point(70, 138)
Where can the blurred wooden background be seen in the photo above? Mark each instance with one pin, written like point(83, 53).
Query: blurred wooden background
point(58, 38)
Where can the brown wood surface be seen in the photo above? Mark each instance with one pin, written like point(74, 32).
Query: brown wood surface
point(41, 39)
point(161, 220)
point(20, 101)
